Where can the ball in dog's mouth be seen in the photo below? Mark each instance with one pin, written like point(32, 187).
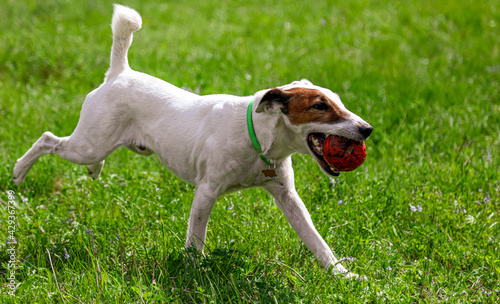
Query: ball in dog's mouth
point(344, 154)
point(336, 153)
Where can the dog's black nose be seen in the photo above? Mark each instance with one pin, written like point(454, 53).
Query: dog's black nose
point(366, 131)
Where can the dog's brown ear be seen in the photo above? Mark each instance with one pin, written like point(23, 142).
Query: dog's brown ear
point(274, 99)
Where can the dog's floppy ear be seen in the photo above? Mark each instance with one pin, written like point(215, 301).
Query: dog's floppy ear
point(274, 99)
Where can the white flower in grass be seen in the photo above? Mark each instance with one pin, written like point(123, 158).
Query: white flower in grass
point(415, 209)
point(469, 219)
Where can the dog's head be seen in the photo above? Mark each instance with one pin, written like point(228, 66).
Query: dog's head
point(311, 112)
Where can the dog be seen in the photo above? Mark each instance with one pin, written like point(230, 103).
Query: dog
point(219, 143)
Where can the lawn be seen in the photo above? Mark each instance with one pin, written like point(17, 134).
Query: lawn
point(419, 219)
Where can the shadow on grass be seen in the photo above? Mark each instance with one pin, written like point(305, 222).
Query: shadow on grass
point(221, 275)
point(228, 275)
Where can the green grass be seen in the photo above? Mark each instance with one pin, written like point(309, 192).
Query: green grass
point(424, 74)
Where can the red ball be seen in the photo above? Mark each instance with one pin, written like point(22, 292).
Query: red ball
point(344, 154)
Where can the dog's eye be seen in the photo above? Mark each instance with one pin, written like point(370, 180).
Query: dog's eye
point(320, 106)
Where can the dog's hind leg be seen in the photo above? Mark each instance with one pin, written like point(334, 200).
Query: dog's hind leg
point(95, 169)
point(74, 148)
point(44, 145)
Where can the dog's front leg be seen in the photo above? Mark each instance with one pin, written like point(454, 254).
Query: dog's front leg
point(289, 202)
point(203, 202)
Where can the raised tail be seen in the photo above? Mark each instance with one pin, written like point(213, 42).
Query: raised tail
point(125, 22)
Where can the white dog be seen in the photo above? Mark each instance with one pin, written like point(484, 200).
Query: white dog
point(220, 143)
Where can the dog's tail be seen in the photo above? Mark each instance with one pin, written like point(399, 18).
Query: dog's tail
point(125, 22)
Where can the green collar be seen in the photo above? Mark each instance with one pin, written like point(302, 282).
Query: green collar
point(253, 137)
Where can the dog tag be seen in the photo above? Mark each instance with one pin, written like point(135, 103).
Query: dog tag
point(270, 173)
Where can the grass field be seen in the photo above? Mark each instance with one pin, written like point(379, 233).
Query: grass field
point(419, 219)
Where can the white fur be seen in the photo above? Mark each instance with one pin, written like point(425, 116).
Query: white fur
point(202, 139)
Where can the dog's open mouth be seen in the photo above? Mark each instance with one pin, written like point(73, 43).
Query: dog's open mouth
point(316, 142)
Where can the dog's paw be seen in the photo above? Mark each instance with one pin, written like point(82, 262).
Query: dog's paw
point(18, 181)
point(351, 276)
point(340, 271)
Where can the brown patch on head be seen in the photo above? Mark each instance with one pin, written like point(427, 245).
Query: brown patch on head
point(311, 105)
